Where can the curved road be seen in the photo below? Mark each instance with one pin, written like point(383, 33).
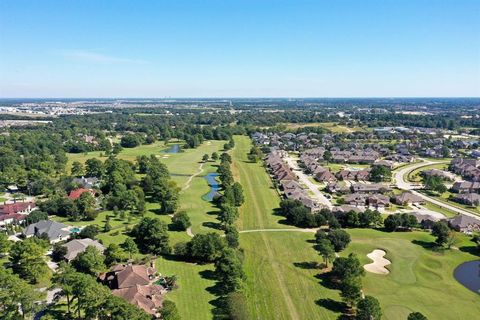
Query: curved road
point(403, 184)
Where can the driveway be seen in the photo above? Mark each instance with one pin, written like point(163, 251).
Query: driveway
point(303, 178)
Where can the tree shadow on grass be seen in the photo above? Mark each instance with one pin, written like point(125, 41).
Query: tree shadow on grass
point(332, 305)
point(213, 213)
point(309, 265)
point(326, 280)
point(470, 249)
point(432, 246)
point(213, 225)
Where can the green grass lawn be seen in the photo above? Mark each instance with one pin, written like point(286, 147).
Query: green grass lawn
point(281, 282)
point(192, 297)
point(434, 207)
point(414, 176)
point(445, 199)
point(421, 279)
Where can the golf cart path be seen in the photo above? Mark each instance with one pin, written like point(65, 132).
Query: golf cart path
point(189, 181)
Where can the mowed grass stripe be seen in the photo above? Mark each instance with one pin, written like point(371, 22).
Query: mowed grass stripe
point(276, 287)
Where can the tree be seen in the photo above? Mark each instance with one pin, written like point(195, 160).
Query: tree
point(107, 227)
point(238, 194)
point(77, 169)
point(17, 298)
point(351, 290)
point(205, 157)
point(90, 231)
point(5, 244)
point(94, 168)
point(91, 261)
point(380, 173)
point(130, 141)
point(114, 254)
point(434, 183)
point(116, 308)
point(181, 221)
point(326, 250)
point(327, 155)
point(169, 311)
point(228, 215)
point(348, 267)
point(232, 237)
point(27, 258)
point(339, 238)
point(416, 316)
point(225, 157)
point(85, 205)
point(369, 309)
point(130, 246)
point(392, 222)
point(58, 252)
point(36, 216)
point(214, 156)
point(228, 269)
point(151, 236)
point(206, 247)
point(440, 230)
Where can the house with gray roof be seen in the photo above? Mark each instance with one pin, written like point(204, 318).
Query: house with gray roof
point(464, 223)
point(77, 246)
point(54, 230)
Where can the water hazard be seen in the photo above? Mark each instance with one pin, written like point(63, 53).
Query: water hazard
point(173, 148)
point(214, 186)
point(468, 274)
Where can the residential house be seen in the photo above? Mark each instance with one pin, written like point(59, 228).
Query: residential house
point(325, 176)
point(466, 187)
point(135, 284)
point(464, 223)
point(15, 212)
point(76, 193)
point(86, 183)
point(55, 231)
point(471, 199)
point(77, 246)
point(369, 188)
point(408, 198)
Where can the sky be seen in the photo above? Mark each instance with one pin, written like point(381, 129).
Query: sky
point(242, 48)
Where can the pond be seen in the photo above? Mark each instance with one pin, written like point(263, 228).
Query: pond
point(173, 148)
point(468, 274)
point(214, 186)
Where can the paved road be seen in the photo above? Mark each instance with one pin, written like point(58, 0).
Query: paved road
point(317, 194)
point(402, 183)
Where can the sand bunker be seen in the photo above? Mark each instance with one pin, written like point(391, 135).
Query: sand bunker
point(379, 262)
point(165, 156)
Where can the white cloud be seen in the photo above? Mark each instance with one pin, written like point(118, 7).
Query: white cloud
point(90, 56)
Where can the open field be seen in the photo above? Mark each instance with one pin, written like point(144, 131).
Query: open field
point(281, 281)
point(261, 197)
point(420, 278)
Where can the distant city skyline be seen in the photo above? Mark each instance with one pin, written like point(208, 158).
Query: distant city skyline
point(235, 49)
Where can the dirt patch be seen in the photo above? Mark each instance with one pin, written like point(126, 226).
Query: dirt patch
point(379, 262)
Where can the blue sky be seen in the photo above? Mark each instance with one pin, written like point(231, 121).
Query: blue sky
point(243, 48)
